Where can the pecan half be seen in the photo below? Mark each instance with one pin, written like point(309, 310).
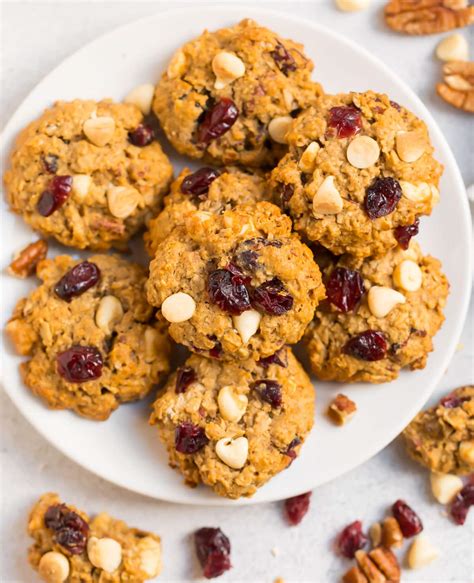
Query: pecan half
point(341, 409)
point(25, 262)
point(391, 533)
point(378, 566)
point(458, 86)
point(428, 16)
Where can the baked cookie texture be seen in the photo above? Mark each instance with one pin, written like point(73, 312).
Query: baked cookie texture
point(253, 283)
point(273, 80)
point(264, 409)
point(81, 153)
point(139, 558)
point(208, 191)
point(442, 437)
point(358, 167)
point(403, 336)
point(127, 348)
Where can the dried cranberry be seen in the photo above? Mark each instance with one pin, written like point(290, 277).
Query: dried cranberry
point(216, 350)
point(227, 290)
point(248, 260)
point(297, 507)
point(344, 288)
point(345, 120)
point(284, 61)
point(213, 551)
point(189, 438)
point(395, 105)
point(269, 391)
point(276, 358)
point(142, 136)
point(185, 376)
point(269, 297)
point(55, 196)
point(461, 504)
point(77, 280)
point(404, 234)
point(451, 401)
point(80, 364)
point(290, 450)
point(50, 163)
point(198, 182)
point(369, 345)
point(70, 529)
point(284, 193)
point(71, 540)
point(217, 120)
point(409, 522)
point(381, 198)
point(351, 539)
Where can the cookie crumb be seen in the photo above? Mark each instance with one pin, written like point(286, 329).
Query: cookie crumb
point(341, 409)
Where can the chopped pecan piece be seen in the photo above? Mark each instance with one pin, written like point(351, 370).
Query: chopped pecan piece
point(25, 262)
point(391, 533)
point(341, 409)
point(458, 86)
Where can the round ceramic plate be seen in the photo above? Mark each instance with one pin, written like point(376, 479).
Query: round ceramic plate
point(125, 449)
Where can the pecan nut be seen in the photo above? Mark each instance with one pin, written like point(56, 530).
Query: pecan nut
point(25, 262)
point(378, 566)
point(458, 86)
point(341, 409)
point(391, 533)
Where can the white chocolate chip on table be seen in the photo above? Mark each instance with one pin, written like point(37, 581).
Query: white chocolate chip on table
point(445, 486)
point(421, 552)
point(142, 97)
point(178, 307)
point(233, 452)
point(104, 553)
point(53, 567)
point(232, 406)
point(227, 67)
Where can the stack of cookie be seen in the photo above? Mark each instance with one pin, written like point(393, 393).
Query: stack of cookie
point(300, 227)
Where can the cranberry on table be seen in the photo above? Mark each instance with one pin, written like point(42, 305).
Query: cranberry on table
point(55, 195)
point(213, 551)
point(142, 136)
point(346, 121)
point(226, 288)
point(297, 507)
point(185, 376)
point(269, 391)
point(77, 280)
point(198, 182)
point(382, 197)
point(370, 345)
point(70, 530)
point(404, 234)
point(461, 504)
point(189, 438)
point(217, 120)
point(344, 288)
point(270, 298)
point(284, 61)
point(80, 364)
point(275, 358)
point(409, 522)
point(351, 540)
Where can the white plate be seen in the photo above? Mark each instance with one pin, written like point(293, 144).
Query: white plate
point(125, 450)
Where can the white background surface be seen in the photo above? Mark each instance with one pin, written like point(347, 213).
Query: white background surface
point(35, 38)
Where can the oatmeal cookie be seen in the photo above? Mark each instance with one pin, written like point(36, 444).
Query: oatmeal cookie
point(90, 335)
point(235, 285)
point(235, 425)
point(442, 437)
point(380, 316)
point(208, 191)
point(222, 90)
point(71, 546)
point(88, 174)
point(359, 167)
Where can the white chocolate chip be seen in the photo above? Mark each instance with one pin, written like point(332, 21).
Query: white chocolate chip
point(227, 67)
point(308, 157)
point(142, 97)
point(99, 130)
point(410, 145)
point(327, 200)
point(445, 486)
point(177, 65)
point(363, 152)
point(104, 553)
point(466, 452)
point(122, 200)
point(421, 553)
point(408, 276)
point(278, 128)
point(289, 100)
point(453, 48)
point(352, 5)
point(53, 567)
point(232, 406)
point(178, 307)
point(153, 342)
point(109, 313)
point(247, 324)
point(419, 192)
point(150, 556)
point(233, 452)
point(81, 184)
point(382, 300)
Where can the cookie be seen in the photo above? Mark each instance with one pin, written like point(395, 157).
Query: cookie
point(226, 93)
point(71, 546)
point(380, 316)
point(207, 190)
point(233, 426)
point(236, 285)
point(360, 170)
point(88, 174)
point(442, 437)
point(90, 335)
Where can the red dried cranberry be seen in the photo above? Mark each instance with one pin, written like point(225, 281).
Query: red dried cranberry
point(189, 438)
point(369, 345)
point(290, 450)
point(297, 507)
point(409, 522)
point(278, 358)
point(77, 280)
point(198, 182)
point(55, 196)
point(381, 198)
point(269, 391)
point(216, 350)
point(227, 290)
point(213, 551)
point(71, 540)
point(70, 530)
point(351, 540)
point(461, 504)
point(404, 234)
point(80, 364)
point(451, 401)
point(395, 105)
point(50, 163)
point(269, 297)
point(217, 120)
point(142, 136)
point(344, 288)
point(185, 376)
point(345, 120)
point(284, 61)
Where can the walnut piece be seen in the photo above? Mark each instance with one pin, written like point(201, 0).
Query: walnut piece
point(458, 86)
point(428, 16)
point(25, 262)
point(341, 409)
point(378, 566)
